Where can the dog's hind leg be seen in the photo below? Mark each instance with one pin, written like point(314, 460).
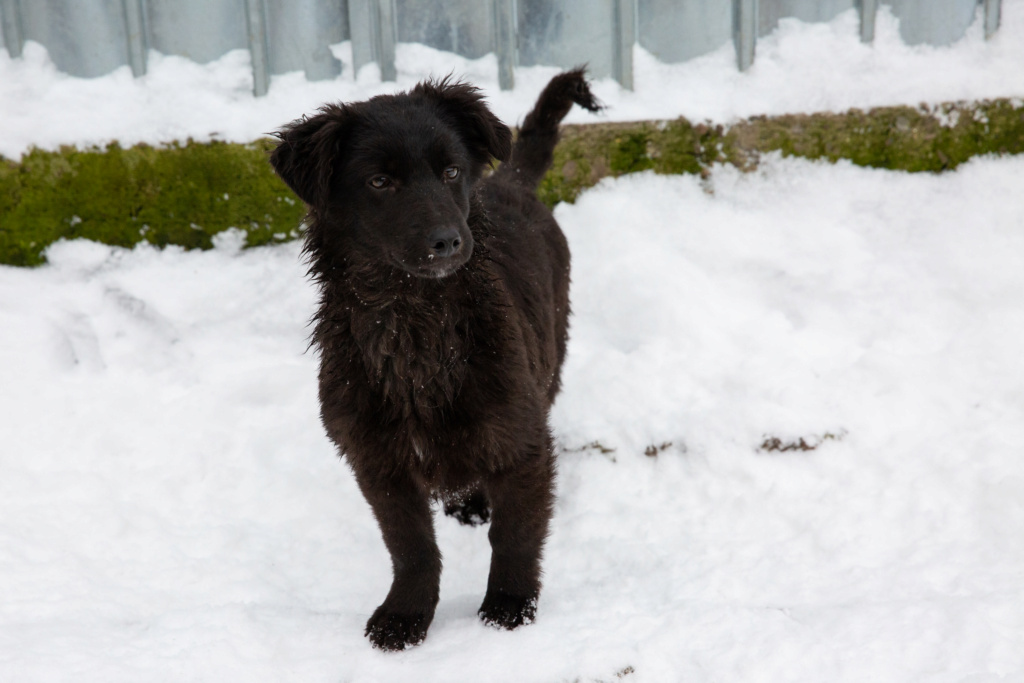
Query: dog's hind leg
point(521, 506)
point(471, 510)
point(402, 508)
point(534, 147)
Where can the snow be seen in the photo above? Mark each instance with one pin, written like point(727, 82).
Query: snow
point(171, 510)
point(799, 68)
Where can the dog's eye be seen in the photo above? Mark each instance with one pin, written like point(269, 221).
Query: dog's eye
point(451, 173)
point(379, 182)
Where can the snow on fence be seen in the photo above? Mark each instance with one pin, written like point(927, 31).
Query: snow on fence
point(92, 37)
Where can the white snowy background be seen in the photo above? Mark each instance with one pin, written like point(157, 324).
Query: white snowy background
point(170, 509)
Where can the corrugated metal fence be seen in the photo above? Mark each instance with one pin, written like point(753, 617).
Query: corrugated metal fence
point(93, 37)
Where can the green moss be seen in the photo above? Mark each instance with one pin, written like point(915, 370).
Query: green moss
point(684, 148)
point(184, 194)
point(898, 138)
point(573, 169)
point(181, 194)
point(629, 152)
point(587, 153)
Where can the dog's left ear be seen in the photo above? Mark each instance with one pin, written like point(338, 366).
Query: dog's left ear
point(486, 135)
point(309, 150)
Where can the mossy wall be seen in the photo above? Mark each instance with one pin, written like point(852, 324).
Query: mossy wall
point(185, 193)
point(899, 138)
point(181, 194)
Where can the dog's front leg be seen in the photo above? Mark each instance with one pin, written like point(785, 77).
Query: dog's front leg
point(402, 508)
point(521, 505)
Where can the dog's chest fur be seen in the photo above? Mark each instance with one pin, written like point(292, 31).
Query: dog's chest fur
point(424, 366)
point(413, 349)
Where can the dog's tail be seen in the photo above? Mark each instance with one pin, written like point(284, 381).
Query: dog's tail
point(534, 147)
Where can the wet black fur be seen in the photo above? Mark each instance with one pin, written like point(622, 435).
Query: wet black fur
point(442, 326)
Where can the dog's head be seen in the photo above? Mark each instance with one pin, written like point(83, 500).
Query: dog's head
point(388, 181)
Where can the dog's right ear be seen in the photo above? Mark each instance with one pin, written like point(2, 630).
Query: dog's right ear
point(486, 134)
point(309, 150)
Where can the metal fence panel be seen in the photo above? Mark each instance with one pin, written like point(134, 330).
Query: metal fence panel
point(92, 37)
point(201, 30)
point(678, 30)
point(363, 22)
point(805, 10)
point(991, 10)
point(299, 33)
point(623, 40)
point(936, 22)
point(465, 27)
point(135, 30)
point(744, 31)
point(8, 27)
point(567, 33)
point(84, 38)
point(505, 41)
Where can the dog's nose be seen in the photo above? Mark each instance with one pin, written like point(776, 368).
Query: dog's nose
point(445, 242)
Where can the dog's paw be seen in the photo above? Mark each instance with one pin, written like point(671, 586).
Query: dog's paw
point(472, 511)
point(502, 610)
point(391, 632)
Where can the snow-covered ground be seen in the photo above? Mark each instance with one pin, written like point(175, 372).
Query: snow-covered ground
point(799, 68)
point(170, 509)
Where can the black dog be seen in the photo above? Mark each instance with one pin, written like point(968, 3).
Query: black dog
point(442, 325)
